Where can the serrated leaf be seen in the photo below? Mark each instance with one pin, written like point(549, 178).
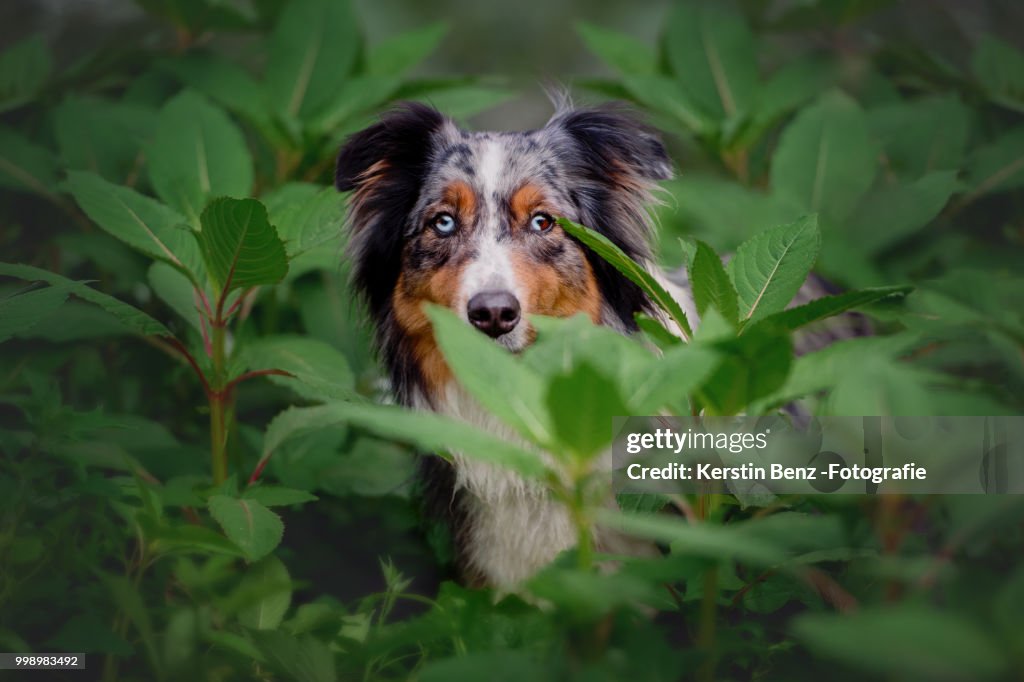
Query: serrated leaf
point(430, 432)
point(24, 68)
point(676, 376)
point(277, 496)
point(302, 659)
point(713, 54)
point(174, 289)
point(102, 136)
point(134, 318)
point(305, 215)
point(319, 372)
point(582, 404)
point(999, 68)
point(197, 153)
point(24, 165)
point(922, 135)
point(826, 159)
point(666, 96)
point(20, 312)
point(190, 539)
point(395, 56)
point(633, 271)
point(269, 579)
point(140, 222)
point(711, 285)
point(313, 49)
point(248, 524)
point(999, 165)
point(492, 375)
point(769, 268)
point(224, 82)
point(829, 306)
point(620, 51)
point(359, 94)
point(239, 245)
point(751, 367)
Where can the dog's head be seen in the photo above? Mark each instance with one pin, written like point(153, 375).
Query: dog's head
point(467, 220)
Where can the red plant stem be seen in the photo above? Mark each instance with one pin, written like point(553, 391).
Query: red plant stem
point(180, 347)
point(255, 373)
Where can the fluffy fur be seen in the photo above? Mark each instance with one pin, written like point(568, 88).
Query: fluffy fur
point(440, 215)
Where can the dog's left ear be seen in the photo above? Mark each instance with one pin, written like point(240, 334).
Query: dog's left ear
point(614, 141)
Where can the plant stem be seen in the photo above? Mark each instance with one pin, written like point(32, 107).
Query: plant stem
point(218, 397)
point(706, 633)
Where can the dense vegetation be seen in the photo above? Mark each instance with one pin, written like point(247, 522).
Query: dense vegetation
point(201, 476)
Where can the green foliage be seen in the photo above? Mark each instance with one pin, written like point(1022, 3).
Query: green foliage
point(197, 455)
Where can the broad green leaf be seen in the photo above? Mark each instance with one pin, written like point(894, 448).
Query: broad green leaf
point(582, 404)
point(825, 160)
point(791, 86)
point(174, 289)
point(24, 165)
point(313, 50)
point(102, 136)
point(305, 216)
point(891, 213)
point(301, 659)
point(828, 306)
point(463, 101)
point(427, 431)
point(140, 222)
point(20, 312)
point(664, 95)
point(922, 135)
point(999, 68)
point(319, 372)
point(906, 641)
point(277, 496)
point(269, 581)
point(197, 153)
point(240, 247)
point(501, 665)
point(248, 524)
point(190, 539)
point(128, 600)
point(134, 318)
point(751, 367)
point(395, 56)
point(222, 81)
point(997, 166)
point(711, 285)
point(622, 52)
point(493, 376)
point(24, 68)
point(713, 54)
point(672, 379)
point(357, 95)
point(633, 271)
point(769, 268)
point(712, 541)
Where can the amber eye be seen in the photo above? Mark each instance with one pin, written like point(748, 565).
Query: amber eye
point(541, 222)
point(443, 223)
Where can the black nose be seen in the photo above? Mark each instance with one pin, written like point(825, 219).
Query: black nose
point(494, 312)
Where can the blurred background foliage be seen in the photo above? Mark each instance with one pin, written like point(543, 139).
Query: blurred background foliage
point(897, 123)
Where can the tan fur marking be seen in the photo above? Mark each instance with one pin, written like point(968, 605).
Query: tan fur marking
point(525, 201)
point(547, 293)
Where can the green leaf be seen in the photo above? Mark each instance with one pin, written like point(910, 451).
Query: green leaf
point(101, 136)
point(127, 599)
point(463, 101)
point(427, 431)
point(826, 159)
point(829, 306)
point(999, 68)
point(140, 222)
point(134, 318)
point(319, 372)
point(492, 375)
point(666, 96)
point(358, 95)
point(620, 51)
point(240, 246)
point(905, 641)
point(174, 289)
point(891, 213)
point(711, 285)
point(20, 312)
point(305, 215)
point(277, 496)
point(197, 153)
point(395, 56)
point(25, 165)
point(922, 135)
point(752, 366)
point(313, 50)
point(270, 581)
point(190, 539)
point(301, 659)
point(582, 404)
point(769, 268)
point(248, 524)
point(224, 82)
point(676, 376)
point(713, 54)
point(24, 68)
point(633, 271)
point(997, 166)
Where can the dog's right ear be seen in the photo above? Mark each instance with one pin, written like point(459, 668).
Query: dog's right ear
point(384, 165)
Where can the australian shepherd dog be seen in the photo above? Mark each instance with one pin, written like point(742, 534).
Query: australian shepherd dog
point(467, 220)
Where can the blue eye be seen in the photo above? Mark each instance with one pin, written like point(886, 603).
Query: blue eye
point(444, 223)
point(541, 222)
